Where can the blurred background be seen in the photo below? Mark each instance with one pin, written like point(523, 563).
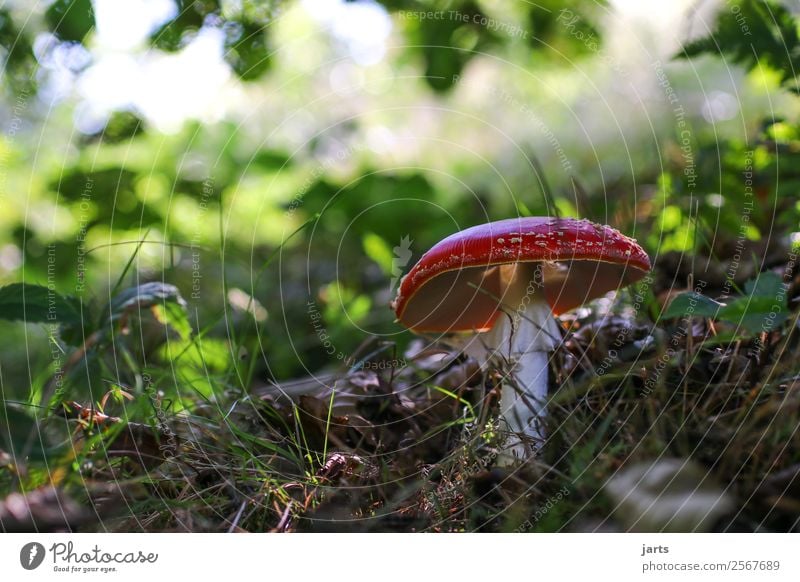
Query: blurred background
point(280, 162)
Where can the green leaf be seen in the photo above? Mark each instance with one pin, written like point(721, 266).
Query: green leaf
point(692, 304)
point(767, 284)
point(764, 307)
point(755, 314)
point(174, 315)
point(70, 20)
point(200, 353)
point(378, 250)
point(37, 304)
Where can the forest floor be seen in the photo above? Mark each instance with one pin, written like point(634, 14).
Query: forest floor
point(688, 424)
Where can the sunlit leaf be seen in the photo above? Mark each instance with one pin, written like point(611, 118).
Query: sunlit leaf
point(378, 250)
point(174, 315)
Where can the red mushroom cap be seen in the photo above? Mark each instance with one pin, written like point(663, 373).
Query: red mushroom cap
point(455, 286)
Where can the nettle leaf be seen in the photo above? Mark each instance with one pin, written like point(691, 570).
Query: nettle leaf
point(763, 308)
point(755, 314)
point(37, 304)
point(692, 304)
point(766, 285)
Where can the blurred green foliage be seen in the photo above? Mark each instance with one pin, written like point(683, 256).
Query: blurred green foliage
point(471, 115)
point(754, 33)
point(70, 20)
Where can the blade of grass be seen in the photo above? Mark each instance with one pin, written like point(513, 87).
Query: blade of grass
point(328, 425)
point(128, 265)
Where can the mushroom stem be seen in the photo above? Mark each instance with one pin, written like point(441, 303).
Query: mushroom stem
point(522, 337)
point(523, 407)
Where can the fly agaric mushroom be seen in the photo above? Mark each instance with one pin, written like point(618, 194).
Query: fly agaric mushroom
point(500, 286)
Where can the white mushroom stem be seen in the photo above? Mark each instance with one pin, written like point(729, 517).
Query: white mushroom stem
point(522, 337)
